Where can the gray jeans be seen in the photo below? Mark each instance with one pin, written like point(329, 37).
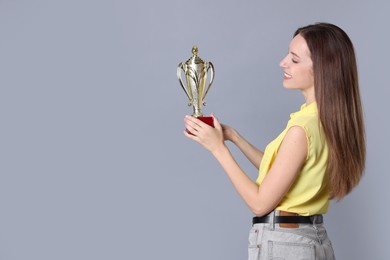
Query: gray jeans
point(271, 242)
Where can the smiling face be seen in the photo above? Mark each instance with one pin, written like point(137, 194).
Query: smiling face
point(298, 68)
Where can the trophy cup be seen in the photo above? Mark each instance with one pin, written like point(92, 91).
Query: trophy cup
point(195, 71)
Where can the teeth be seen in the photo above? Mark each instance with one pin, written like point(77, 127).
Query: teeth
point(287, 75)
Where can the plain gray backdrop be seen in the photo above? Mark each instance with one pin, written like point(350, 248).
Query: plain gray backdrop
point(93, 160)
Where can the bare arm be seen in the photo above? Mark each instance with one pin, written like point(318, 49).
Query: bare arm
point(264, 198)
point(253, 154)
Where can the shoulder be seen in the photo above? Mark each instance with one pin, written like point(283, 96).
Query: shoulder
point(296, 134)
point(309, 123)
point(304, 120)
point(295, 141)
point(296, 131)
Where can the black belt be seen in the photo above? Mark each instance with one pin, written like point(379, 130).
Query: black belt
point(289, 219)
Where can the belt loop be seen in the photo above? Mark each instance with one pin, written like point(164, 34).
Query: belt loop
point(272, 220)
point(314, 221)
point(317, 219)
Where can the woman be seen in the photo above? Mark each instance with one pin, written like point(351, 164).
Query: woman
point(319, 156)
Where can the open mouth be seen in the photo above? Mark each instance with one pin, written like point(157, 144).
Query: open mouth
point(287, 76)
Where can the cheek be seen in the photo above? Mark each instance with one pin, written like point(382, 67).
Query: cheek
point(311, 76)
point(308, 79)
point(308, 75)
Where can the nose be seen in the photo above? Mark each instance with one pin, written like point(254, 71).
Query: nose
point(283, 63)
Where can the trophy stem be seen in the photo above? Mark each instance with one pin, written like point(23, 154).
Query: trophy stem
point(197, 113)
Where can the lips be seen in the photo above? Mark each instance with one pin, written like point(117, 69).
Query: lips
point(287, 76)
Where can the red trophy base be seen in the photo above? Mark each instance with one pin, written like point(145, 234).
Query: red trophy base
point(205, 119)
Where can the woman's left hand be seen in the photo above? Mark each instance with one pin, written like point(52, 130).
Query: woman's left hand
point(209, 137)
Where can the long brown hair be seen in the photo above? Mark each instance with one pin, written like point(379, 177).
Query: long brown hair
point(339, 104)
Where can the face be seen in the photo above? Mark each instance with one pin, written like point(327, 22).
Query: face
point(298, 66)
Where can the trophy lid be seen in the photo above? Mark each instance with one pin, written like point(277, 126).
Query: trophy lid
point(195, 58)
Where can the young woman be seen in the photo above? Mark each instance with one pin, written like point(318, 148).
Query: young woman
point(319, 156)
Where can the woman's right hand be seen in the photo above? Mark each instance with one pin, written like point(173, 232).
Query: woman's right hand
point(228, 133)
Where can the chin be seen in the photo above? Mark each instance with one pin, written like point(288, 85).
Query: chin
point(286, 86)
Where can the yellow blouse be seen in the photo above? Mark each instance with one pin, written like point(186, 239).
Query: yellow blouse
point(309, 193)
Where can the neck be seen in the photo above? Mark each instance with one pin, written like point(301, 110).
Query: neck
point(309, 96)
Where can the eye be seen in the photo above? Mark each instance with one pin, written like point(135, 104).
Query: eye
point(294, 61)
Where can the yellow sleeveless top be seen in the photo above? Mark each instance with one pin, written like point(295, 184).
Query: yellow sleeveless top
point(309, 193)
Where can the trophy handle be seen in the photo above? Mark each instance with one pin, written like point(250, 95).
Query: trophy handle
point(210, 66)
point(180, 68)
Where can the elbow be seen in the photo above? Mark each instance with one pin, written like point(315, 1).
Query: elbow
point(260, 211)
point(256, 212)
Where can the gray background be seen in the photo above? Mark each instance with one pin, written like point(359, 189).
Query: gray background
point(93, 161)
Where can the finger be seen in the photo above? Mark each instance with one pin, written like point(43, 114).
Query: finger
point(191, 127)
point(191, 119)
point(194, 123)
point(217, 124)
point(188, 134)
point(191, 130)
point(191, 136)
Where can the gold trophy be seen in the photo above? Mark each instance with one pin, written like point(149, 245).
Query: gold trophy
point(195, 71)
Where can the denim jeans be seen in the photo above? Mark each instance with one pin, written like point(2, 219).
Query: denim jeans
point(307, 242)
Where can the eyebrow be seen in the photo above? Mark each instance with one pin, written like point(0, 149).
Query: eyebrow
point(294, 54)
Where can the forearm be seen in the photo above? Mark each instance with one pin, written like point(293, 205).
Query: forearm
point(213, 140)
point(253, 154)
point(247, 188)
